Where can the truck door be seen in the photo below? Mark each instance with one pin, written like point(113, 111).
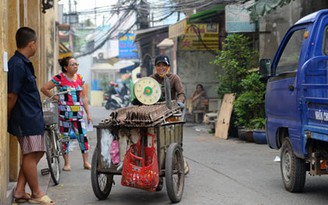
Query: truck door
point(282, 90)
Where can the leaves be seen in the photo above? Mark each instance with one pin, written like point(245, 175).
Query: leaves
point(249, 106)
point(236, 63)
point(235, 60)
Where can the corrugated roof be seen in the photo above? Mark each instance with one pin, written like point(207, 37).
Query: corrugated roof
point(139, 33)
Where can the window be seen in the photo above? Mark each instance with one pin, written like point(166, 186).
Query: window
point(325, 42)
point(288, 61)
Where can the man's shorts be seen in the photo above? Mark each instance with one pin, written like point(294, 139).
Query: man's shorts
point(34, 143)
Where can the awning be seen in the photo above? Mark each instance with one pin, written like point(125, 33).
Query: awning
point(165, 43)
point(63, 51)
point(129, 68)
point(209, 15)
point(102, 67)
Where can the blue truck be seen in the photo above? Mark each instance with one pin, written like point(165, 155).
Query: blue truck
point(296, 100)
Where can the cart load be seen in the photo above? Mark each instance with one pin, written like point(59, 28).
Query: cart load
point(142, 116)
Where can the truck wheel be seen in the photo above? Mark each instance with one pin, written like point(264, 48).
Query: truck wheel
point(293, 169)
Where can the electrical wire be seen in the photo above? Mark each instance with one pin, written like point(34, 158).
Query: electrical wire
point(162, 11)
point(113, 33)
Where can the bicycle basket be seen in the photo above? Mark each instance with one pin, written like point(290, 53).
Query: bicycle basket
point(50, 113)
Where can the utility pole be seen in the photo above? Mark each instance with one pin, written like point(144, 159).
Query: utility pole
point(95, 12)
point(143, 14)
point(69, 11)
point(152, 19)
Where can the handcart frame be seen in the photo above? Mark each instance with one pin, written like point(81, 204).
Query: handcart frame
point(169, 141)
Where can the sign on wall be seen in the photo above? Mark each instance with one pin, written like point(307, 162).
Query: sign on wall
point(127, 47)
point(195, 36)
point(238, 19)
point(200, 37)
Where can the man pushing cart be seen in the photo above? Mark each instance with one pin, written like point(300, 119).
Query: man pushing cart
point(143, 143)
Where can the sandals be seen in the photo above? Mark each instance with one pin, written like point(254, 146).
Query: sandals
point(45, 200)
point(23, 199)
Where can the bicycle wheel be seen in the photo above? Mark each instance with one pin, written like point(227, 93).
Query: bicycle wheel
point(52, 154)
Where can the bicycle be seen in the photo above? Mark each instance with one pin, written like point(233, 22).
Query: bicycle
point(51, 134)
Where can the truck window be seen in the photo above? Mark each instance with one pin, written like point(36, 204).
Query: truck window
point(325, 42)
point(288, 61)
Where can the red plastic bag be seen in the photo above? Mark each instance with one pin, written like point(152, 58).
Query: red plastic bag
point(138, 172)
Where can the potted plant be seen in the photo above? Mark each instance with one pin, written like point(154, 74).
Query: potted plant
point(259, 134)
point(249, 106)
point(234, 62)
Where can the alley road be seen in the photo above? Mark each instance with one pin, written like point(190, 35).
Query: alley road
point(222, 172)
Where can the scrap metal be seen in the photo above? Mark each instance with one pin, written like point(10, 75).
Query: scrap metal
point(141, 116)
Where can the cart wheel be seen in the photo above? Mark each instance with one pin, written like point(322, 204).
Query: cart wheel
point(174, 172)
point(101, 183)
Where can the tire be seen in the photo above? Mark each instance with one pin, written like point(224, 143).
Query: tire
point(52, 154)
point(174, 172)
point(293, 169)
point(114, 105)
point(101, 183)
point(107, 105)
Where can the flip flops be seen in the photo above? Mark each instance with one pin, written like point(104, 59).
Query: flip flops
point(23, 199)
point(45, 200)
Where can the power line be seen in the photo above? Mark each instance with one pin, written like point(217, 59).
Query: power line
point(129, 8)
point(112, 33)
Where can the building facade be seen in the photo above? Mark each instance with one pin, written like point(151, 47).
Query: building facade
point(15, 14)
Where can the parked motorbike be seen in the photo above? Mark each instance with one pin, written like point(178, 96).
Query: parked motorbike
point(115, 102)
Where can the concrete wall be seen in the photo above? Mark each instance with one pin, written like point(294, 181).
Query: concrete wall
point(274, 25)
point(194, 68)
point(15, 14)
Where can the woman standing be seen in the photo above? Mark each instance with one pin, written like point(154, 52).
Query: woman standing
point(71, 107)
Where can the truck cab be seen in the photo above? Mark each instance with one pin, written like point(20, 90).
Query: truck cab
point(296, 101)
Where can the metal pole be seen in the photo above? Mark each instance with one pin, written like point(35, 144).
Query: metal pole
point(95, 12)
point(69, 12)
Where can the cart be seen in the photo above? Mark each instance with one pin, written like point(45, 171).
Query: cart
point(126, 124)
